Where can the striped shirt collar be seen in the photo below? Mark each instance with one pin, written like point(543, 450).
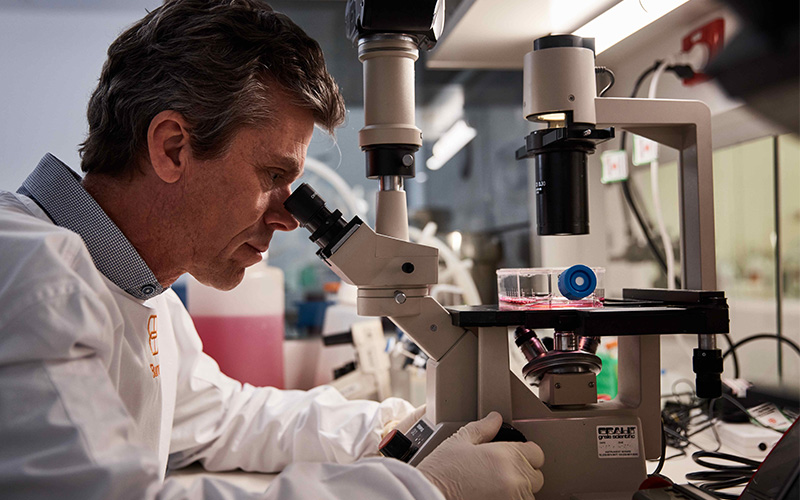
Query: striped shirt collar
point(58, 190)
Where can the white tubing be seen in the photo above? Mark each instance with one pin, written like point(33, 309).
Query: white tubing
point(355, 204)
point(458, 268)
point(669, 255)
point(438, 290)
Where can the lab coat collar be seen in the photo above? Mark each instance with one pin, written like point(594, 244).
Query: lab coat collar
point(58, 190)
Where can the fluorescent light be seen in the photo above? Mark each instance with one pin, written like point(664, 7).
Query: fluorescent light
point(446, 108)
point(624, 19)
point(565, 15)
point(450, 143)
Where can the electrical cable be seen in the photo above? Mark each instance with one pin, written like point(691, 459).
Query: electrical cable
point(727, 337)
point(760, 336)
point(680, 422)
point(666, 241)
point(626, 191)
point(722, 476)
point(663, 456)
point(739, 406)
point(682, 71)
point(612, 79)
point(677, 419)
point(626, 184)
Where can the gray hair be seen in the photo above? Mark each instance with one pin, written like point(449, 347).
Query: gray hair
point(220, 63)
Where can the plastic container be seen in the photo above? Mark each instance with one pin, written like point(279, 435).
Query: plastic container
point(243, 329)
point(538, 288)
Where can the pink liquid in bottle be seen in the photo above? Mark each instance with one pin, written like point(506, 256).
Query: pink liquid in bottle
point(242, 329)
point(247, 348)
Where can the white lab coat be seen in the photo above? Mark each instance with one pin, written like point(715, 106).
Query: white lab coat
point(93, 404)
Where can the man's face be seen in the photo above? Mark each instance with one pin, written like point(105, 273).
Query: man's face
point(237, 199)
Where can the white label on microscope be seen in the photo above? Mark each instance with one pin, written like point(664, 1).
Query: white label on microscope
point(617, 441)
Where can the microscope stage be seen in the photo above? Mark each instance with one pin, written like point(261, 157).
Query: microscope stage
point(641, 312)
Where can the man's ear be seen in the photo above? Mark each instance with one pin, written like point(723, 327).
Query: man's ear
point(168, 145)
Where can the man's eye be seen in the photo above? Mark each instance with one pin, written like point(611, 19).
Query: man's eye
point(271, 177)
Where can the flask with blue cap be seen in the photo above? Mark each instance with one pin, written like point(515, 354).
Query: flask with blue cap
point(577, 282)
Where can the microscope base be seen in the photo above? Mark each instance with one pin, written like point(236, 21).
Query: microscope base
point(595, 458)
point(589, 456)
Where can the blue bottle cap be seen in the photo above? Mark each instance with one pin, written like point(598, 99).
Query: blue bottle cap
point(577, 282)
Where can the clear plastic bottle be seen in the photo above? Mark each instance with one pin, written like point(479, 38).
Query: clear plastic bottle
point(243, 329)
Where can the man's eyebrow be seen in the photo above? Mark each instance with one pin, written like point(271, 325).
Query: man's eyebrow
point(291, 163)
point(288, 162)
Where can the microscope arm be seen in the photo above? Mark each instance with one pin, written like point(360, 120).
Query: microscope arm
point(686, 126)
point(393, 278)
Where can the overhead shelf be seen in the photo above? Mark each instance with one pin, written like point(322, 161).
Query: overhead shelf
point(496, 34)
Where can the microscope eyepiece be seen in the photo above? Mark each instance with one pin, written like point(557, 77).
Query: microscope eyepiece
point(306, 206)
point(327, 228)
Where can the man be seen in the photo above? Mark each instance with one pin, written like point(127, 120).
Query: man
point(199, 124)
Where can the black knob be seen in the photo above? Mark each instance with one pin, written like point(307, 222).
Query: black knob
point(707, 364)
point(508, 432)
point(397, 445)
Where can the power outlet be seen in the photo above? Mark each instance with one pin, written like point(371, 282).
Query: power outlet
point(700, 46)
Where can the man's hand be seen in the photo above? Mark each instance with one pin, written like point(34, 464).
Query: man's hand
point(467, 466)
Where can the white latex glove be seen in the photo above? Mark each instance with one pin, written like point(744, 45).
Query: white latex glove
point(467, 466)
point(404, 424)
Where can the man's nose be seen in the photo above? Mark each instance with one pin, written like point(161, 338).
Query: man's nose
point(276, 214)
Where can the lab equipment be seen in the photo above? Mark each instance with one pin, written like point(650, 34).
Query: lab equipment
point(550, 287)
point(515, 464)
point(747, 439)
point(369, 378)
point(476, 361)
point(243, 329)
point(558, 91)
point(468, 371)
point(779, 474)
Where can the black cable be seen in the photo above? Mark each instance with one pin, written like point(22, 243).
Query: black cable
point(611, 78)
point(760, 336)
point(722, 476)
point(626, 191)
point(663, 456)
point(676, 420)
point(727, 338)
point(680, 424)
point(739, 406)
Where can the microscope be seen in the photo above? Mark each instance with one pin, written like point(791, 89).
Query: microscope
point(593, 449)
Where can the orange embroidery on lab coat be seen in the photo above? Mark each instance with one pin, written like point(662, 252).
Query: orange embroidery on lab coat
point(151, 329)
point(152, 332)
